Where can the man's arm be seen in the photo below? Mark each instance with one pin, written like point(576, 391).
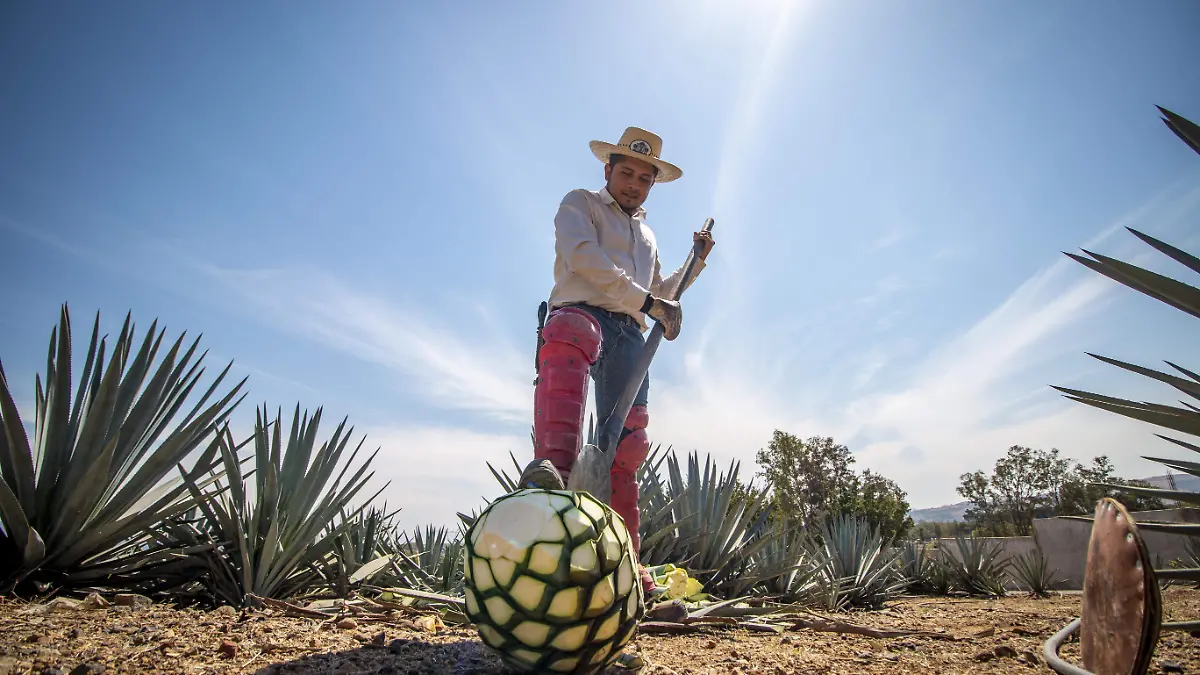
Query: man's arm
point(576, 241)
point(662, 288)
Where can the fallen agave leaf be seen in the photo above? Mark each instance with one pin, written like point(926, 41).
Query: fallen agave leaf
point(761, 627)
point(664, 627)
point(671, 610)
point(719, 620)
point(55, 605)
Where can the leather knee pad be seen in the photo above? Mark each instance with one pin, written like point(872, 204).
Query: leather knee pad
point(632, 450)
point(571, 344)
point(634, 445)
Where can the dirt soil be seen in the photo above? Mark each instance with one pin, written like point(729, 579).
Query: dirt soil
point(978, 636)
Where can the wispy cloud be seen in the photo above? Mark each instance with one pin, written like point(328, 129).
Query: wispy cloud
point(435, 472)
point(893, 234)
point(960, 406)
point(486, 377)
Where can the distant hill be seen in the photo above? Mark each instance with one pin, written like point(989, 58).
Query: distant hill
point(954, 512)
point(941, 514)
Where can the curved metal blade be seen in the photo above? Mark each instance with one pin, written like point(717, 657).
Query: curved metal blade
point(591, 473)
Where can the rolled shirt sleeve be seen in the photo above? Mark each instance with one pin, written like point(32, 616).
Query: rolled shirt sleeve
point(663, 287)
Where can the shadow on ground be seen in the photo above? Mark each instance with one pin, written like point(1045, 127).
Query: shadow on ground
point(464, 657)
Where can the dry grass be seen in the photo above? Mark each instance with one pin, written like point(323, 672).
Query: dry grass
point(976, 636)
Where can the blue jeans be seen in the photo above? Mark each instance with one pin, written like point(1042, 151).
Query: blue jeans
point(622, 345)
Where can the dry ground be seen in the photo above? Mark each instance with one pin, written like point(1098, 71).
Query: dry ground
point(980, 636)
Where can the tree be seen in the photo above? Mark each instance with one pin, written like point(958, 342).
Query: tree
point(1080, 492)
point(811, 480)
point(1027, 484)
point(883, 504)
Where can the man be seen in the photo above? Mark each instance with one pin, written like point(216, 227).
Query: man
point(607, 279)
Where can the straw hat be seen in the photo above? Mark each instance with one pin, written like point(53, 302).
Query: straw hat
point(640, 144)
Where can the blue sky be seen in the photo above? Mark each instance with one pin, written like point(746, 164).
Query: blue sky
point(354, 202)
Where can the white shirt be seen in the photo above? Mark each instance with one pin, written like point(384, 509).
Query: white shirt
point(606, 257)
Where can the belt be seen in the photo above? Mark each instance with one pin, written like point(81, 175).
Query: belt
point(619, 317)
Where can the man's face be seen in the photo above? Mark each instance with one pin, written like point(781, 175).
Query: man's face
point(629, 182)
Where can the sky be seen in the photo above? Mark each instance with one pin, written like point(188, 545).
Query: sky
point(354, 202)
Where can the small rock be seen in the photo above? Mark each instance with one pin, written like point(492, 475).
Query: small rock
point(347, 624)
point(75, 633)
point(380, 639)
point(131, 600)
point(228, 649)
point(225, 610)
point(892, 657)
point(1170, 667)
point(865, 655)
point(1004, 651)
point(1030, 658)
point(89, 668)
point(52, 670)
point(94, 601)
point(985, 656)
point(710, 644)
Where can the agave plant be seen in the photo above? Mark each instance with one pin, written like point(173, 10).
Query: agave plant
point(362, 549)
point(857, 569)
point(939, 576)
point(1032, 571)
point(914, 563)
point(1184, 418)
point(979, 568)
point(271, 544)
point(696, 523)
point(432, 560)
point(786, 549)
point(79, 505)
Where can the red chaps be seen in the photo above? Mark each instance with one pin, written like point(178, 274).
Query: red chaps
point(571, 344)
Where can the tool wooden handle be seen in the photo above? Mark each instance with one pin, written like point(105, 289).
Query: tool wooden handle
point(610, 430)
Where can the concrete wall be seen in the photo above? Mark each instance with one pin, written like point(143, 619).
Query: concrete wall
point(1009, 547)
point(1065, 543)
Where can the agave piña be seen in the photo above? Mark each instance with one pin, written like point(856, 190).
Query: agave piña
point(551, 582)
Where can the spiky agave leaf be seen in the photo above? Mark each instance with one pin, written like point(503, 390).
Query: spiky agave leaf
point(980, 567)
point(362, 550)
point(696, 523)
point(72, 502)
point(786, 550)
point(1186, 417)
point(431, 559)
point(1033, 572)
point(272, 543)
point(858, 569)
point(915, 563)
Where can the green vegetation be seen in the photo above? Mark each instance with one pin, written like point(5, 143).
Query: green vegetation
point(1027, 484)
point(812, 481)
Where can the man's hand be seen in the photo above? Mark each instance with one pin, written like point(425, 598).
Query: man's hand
point(669, 314)
point(705, 240)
